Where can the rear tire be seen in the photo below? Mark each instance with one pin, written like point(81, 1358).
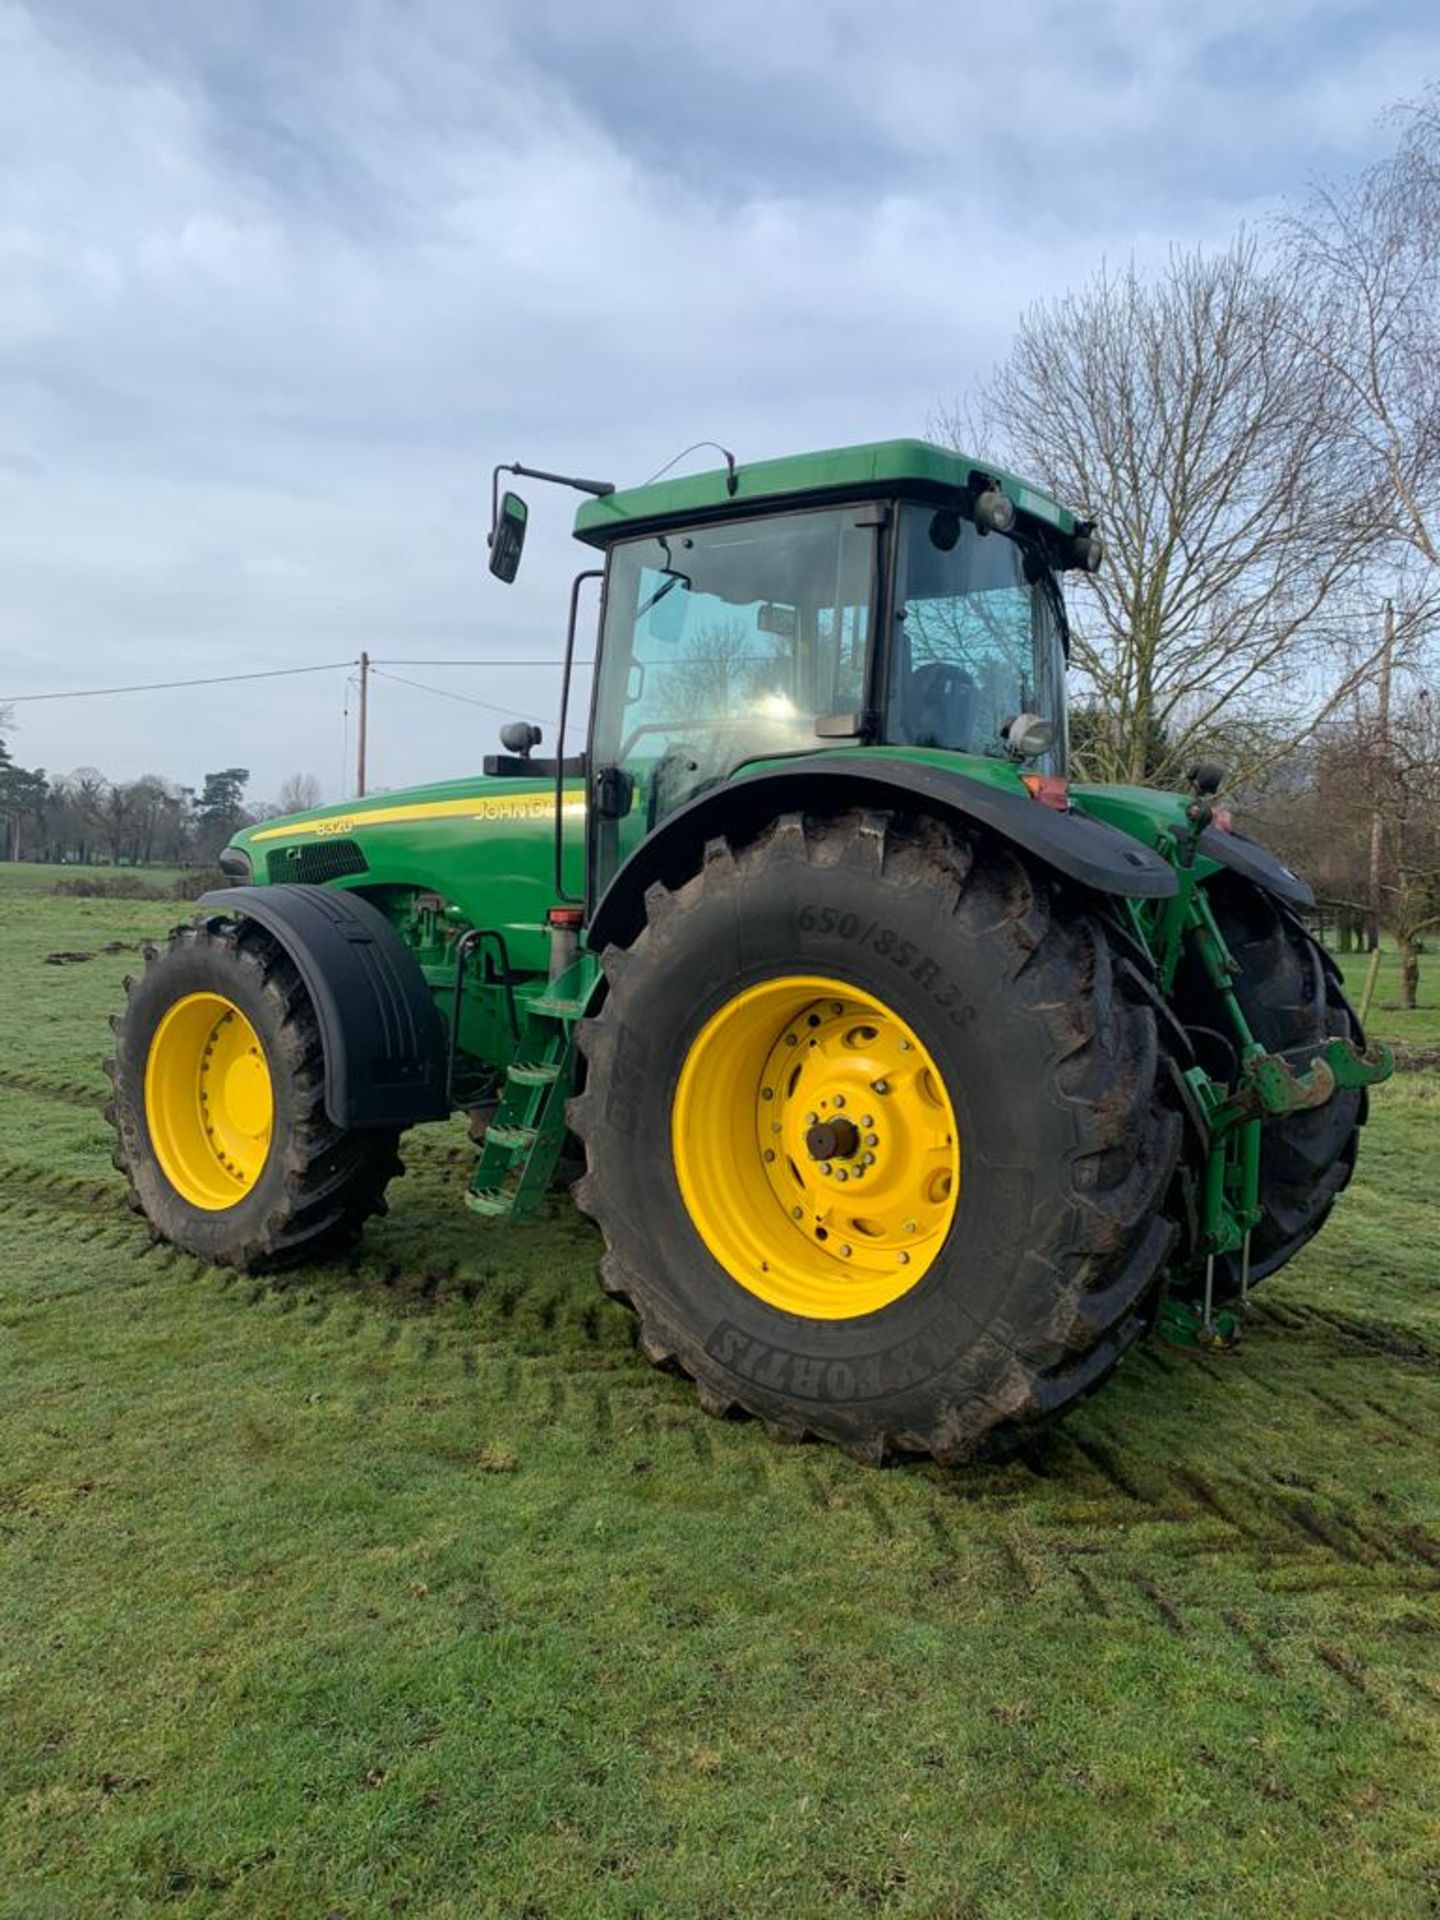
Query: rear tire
point(302, 1187)
point(1049, 1267)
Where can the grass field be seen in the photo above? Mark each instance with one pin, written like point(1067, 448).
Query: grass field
point(406, 1588)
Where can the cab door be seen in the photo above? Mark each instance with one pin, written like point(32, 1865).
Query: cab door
point(721, 645)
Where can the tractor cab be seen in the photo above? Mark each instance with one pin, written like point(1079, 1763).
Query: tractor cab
point(895, 596)
point(794, 633)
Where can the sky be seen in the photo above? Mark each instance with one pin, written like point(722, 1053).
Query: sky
point(280, 281)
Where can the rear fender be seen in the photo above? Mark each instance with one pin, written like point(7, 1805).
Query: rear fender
point(383, 1037)
point(1083, 850)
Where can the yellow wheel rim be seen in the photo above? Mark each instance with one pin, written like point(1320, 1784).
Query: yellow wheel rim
point(816, 1147)
point(209, 1101)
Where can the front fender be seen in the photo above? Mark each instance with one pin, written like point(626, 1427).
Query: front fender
point(1095, 856)
point(382, 1034)
point(1256, 864)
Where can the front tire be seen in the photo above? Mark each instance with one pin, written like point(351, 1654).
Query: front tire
point(218, 1107)
point(1010, 1244)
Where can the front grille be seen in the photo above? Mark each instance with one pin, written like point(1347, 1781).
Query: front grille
point(314, 864)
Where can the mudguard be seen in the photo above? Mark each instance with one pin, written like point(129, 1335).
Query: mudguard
point(1096, 856)
point(383, 1036)
point(1256, 863)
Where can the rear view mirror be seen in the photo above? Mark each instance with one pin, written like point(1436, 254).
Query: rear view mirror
point(507, 537)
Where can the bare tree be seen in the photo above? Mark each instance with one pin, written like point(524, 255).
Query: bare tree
point(1194, 427)
point(299, 792)
point(84, 793)
point(1364, 259)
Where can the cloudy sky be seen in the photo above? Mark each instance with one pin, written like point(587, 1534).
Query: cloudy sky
point(280, 280)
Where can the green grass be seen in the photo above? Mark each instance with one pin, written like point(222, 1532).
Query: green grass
point(1418, 1026)
point(406, 1588)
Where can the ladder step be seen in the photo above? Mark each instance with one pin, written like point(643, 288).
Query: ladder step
point(534, 1073)
point(503, 1136)
point(556, 1009)
point(495, 1204)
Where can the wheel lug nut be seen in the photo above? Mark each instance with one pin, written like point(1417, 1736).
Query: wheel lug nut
point(825, 1166)
point(909, 1226)
point(839, 1101)
point(904, 1259)
point(769, 1153)
point(767, 1093)
point(844, 1253)
point(880, 1086)
point(812, 1119)
point(867, 1120)
point(797, 1213)
point(866, 1159)
point(841, 1174)
point(872, 1139)
point(904, 1046)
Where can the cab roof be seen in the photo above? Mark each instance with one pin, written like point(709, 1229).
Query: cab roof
point(879, 467)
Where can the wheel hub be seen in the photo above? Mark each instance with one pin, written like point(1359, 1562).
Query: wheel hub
point(832, 1140)
point(209, 1101)
point(829, 1171)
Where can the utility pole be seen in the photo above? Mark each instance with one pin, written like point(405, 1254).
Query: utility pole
point(1377, 816)
point(364, 717)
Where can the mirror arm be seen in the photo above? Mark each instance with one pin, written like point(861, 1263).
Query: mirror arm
point(600, 488)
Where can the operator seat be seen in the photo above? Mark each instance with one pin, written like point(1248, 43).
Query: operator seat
point(939, 705)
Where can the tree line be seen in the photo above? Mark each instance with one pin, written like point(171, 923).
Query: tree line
point(84, 817)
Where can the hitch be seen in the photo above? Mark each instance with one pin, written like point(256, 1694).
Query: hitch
point(1354, 1068)
point(1270, 1086)
point(1277, 1088)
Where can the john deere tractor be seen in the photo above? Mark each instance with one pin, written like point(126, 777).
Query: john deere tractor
point(913, 1082)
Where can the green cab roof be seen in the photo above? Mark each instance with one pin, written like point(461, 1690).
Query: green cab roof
point(882, 466)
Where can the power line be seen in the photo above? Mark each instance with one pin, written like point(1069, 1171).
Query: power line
point(444, 693)
point(379, 659)
point(272, 673)
point(164, 686)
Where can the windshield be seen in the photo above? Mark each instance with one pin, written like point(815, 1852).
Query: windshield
point(975, 642)
point(725, 644)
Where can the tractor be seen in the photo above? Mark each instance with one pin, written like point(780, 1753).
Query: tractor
point(908, 1081)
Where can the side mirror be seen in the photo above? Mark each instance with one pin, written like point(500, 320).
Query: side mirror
point(507, 537)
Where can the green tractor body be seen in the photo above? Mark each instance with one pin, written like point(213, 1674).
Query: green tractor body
point(913, 1082)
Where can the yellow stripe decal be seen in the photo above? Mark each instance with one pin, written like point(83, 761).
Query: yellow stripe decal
point(516, 806)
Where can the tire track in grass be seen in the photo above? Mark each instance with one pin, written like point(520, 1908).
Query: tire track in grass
point(45, 1086)
point(1165, 1608)
point(1310, 1530)
point(1253, 1640)
point(70, 1206)
point(1090, 1590)
point(64, 1191)
point(1348, 1670)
